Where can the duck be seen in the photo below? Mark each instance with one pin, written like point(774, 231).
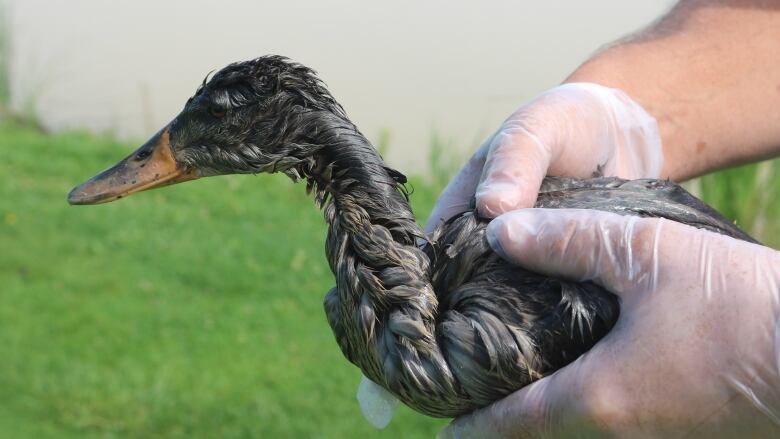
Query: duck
point(447, 326)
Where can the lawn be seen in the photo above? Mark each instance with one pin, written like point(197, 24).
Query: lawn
point(193, 311)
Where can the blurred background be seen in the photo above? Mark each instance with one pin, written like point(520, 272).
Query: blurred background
point(196, 311)
point(406, 71)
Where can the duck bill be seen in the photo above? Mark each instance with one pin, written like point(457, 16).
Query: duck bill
point(152, 165)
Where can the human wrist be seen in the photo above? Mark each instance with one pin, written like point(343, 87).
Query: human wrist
point(617, 125)
point(711, 93)
point(623, 67)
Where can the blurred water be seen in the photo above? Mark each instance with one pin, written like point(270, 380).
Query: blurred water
point(410, 67)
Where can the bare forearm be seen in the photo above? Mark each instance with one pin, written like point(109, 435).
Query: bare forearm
point(709, 72)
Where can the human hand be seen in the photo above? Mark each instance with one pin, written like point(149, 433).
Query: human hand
point(573, 130)
point(694, 352)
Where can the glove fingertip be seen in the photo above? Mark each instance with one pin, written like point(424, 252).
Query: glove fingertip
point(494, 202)
point(494, 240)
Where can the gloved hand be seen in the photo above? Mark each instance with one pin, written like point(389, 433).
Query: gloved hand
point(573, 130)
point(695, 351)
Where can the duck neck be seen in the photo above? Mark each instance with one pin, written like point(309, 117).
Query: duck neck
point(349, 178)
point(382, 277)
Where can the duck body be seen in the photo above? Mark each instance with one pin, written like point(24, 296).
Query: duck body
point(493, 327)
point(447, 327)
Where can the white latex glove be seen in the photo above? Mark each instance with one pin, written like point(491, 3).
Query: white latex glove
point(695, 351)
point(573, 130)
point(377, 404)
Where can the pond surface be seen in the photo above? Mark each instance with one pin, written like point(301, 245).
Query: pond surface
point(408, 68)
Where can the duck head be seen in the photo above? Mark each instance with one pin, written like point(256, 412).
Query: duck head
point(263, 115)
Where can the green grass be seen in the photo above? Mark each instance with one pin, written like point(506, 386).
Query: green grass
point(192, 311)
point(748, 195)
point(179, 313)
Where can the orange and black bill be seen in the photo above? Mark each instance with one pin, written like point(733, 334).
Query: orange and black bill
point(152, 165)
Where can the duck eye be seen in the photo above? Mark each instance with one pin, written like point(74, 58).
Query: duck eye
point(217, 111)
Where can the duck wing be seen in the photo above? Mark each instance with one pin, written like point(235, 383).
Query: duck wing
point(644, 198)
